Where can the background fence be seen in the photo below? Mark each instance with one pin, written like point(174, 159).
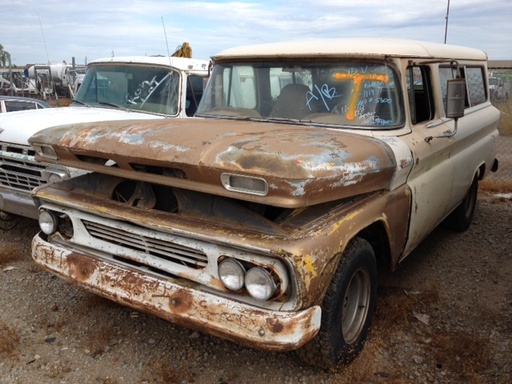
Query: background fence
point(500, 84)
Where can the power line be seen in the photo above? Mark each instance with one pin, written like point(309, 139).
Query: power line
point(44, 41)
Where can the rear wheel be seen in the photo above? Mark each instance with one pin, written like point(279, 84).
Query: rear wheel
point(460, 219)
point(347, 309)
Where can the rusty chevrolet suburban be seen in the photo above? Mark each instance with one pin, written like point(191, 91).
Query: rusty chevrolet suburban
point(265, 219)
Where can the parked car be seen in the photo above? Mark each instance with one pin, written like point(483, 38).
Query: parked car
point(13, 82)
point(118, 88)
point(497, 89)
point(265, 220)
point(18, 103)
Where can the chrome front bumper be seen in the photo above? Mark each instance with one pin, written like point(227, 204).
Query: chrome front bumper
point(185, 305)
point(17, 203)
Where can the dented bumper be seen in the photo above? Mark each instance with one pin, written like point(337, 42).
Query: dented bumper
point(180, 304)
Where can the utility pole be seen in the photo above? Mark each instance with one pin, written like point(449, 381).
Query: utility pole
point(446, 18)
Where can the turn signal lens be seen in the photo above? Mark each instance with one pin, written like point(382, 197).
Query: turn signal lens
point(44, 150)
point(244, 184)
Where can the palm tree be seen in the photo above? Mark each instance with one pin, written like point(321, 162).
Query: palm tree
point(3, 55)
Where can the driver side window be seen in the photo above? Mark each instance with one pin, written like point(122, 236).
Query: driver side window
point(419, 93)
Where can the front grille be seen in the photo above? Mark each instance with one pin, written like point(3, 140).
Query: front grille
point(150, 251)
point(18, 168)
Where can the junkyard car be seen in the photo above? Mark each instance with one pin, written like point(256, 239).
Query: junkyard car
point(15, 103)
point(117, 88)
point(265, 220)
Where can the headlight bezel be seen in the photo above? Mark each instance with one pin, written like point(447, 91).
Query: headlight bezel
point(54, 175)
point(260, 283)
point(273, 271)
point(226, 275)
point(48, 222)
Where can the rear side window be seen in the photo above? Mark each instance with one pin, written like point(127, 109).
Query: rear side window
point(475, 83)
point(239, 87)
point(14, 105)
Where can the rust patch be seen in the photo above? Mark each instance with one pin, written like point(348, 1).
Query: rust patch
point(80, 268)
point(303, 165)
point(275, 326)
point(180, 302)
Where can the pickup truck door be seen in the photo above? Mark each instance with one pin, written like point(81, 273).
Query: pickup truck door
point(445, 167)
point(431, 179)
point(432, 175)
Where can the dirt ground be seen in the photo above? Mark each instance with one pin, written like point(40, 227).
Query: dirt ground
point(445, 316)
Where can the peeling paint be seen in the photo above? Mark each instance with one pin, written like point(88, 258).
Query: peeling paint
point(170, 215)
point(286, 158)
point(308, 263)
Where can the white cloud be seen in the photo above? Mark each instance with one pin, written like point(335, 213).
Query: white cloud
point(98, 28)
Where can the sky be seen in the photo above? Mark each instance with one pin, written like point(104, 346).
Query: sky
point(39, 32)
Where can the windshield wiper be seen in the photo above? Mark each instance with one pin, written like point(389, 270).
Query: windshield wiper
point(282, 120)
point(113, 105)
point(219, 116)
point(80, 102)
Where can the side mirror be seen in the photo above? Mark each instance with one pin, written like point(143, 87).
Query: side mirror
point(456, 96)
point(455, 102)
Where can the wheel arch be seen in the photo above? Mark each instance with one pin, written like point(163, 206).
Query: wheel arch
point(378, 237)
point(376, 234)
point(381, 219)
point(480, 171)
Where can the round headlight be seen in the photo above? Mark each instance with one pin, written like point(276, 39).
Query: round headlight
point(231, 273)
point(54, 177)
point(47, 222)
point(259, 283)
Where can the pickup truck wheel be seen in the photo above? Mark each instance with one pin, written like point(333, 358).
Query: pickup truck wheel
point(347, 309)
point(460, 219)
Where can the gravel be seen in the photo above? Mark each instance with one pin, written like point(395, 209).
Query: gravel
point(445, 316)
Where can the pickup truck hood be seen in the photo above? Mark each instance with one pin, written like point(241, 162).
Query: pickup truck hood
point(17, 127)
point(301, 165)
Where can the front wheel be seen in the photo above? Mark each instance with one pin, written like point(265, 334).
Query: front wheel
point(347, 309)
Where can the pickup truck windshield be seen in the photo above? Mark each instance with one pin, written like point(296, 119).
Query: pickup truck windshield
point(131, 87)
point(355, 94)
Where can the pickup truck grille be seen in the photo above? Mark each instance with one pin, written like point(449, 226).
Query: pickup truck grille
point(18, 169)
point(144, 250)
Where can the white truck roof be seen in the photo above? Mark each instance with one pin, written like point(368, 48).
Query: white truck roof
point(183, 63)
point(353, 47)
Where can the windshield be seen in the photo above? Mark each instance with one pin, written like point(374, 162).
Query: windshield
point(354, 94)
point(148, 89)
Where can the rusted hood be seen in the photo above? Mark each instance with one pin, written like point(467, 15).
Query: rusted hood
point(301, 165)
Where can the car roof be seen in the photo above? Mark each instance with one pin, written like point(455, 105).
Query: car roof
point(353, 47)
point(183, 63)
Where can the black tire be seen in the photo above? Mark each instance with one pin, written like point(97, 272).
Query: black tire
point(460, 219)
point(347, 309)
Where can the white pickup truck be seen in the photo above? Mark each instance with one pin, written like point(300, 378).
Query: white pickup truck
point(265, 219)
point(118, 88)
point(497, 89)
